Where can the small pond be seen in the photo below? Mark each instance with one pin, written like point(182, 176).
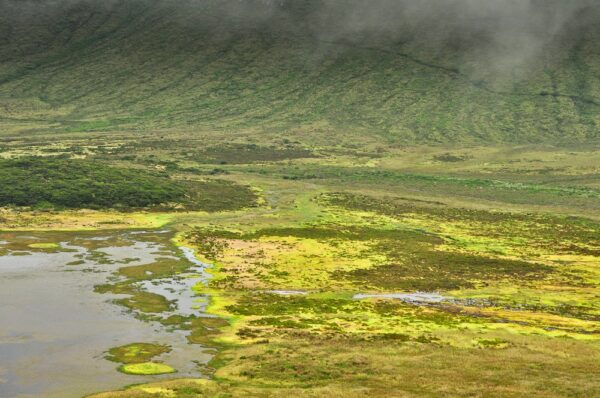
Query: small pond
point(55, 330)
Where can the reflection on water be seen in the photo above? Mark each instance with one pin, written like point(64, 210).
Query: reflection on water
point(54, 329)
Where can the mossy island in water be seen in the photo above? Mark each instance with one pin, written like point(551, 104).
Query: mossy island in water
point(146, 369)
point(136, 352)
point(136, 359)
point(47, 246)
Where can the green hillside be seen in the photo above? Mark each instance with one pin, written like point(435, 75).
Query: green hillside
point(195, 65)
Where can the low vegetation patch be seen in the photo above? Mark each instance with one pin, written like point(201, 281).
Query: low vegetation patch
point(249, 153)
point(433, 270)
point(136, 352)
point(219, 195)
point(43, 246)
point(61, 183)
point(163, 267)
point(146, 369)
point(451, 158)
point(67, 183)
point(137, 300)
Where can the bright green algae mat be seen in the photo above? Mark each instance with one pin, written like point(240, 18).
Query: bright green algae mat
point(146, 369)
point(44, 245)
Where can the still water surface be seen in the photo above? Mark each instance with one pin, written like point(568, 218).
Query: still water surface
point(54, 329)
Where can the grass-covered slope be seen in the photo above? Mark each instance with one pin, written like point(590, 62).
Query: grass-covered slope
point(201, 65)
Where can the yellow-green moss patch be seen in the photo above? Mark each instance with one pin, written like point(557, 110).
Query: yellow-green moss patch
point(43, 246)
point(146, 368)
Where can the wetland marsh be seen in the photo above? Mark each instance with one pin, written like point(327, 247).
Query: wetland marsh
point(283, 280)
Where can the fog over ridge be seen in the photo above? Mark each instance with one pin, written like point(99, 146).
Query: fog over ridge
point(500, 36)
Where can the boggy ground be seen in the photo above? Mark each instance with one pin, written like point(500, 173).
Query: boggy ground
point(501, 242)
point(519, 317)
point(519, 314)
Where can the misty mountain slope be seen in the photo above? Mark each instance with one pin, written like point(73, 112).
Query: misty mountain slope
point(290, 67)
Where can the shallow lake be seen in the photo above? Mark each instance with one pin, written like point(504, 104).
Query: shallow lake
point(55, 330)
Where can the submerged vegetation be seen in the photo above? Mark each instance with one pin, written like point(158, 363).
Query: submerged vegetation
point(136, 352)
point(137, 299)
